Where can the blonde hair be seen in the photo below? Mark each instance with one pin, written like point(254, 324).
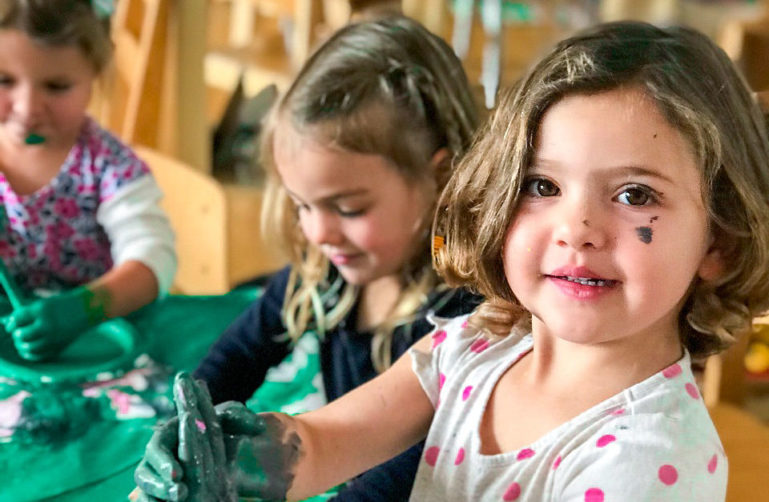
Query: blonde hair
point(699, 91)
point(61, 23)
point(394, 70)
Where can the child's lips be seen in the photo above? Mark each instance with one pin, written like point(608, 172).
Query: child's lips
point(342, 258)
point(581, 282)
point(585, 281)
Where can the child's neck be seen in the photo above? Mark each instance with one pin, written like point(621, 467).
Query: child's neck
point(377, 299)
point(606, 367)
point(560, 380)
point(28, 168)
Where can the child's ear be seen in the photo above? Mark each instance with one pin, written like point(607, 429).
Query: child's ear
point(712, 265)
point(440, 165)
point(440, 157)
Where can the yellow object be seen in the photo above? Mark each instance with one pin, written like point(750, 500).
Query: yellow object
point(757, 357)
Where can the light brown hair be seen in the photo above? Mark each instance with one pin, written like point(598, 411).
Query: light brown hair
point(699, 91)
point(386, 87)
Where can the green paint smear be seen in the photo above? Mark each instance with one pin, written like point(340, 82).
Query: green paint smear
point(34, 139)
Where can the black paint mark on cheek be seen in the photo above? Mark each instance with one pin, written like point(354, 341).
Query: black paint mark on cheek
point(653, 219)
point(644, 234)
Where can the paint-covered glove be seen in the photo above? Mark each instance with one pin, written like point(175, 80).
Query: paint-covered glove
point(221, 453)
point(43, 328)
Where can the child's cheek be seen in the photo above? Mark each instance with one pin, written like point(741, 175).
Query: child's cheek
point(645, 233)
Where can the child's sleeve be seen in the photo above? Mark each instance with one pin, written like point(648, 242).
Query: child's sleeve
point(448, 341)
point(138, 229)
point(663, 460)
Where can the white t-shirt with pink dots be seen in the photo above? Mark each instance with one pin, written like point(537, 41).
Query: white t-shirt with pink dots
point(654, 441)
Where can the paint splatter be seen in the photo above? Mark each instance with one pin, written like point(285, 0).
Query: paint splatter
point(644, 234)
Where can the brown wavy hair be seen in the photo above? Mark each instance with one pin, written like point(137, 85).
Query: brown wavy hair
point(699, 91)
point(386, 87)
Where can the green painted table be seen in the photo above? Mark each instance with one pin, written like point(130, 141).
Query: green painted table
point(97, 464)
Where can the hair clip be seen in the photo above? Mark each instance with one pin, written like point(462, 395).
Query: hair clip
point(438, 242)
point(103, 8)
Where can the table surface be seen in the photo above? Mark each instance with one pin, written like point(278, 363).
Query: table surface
point(98, 463)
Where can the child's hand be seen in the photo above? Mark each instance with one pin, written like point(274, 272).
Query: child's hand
point(208, 453)
point(43, 328)
point(186, 459)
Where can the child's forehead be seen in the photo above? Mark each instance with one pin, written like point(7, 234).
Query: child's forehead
point(621, 129)
point(19, 50)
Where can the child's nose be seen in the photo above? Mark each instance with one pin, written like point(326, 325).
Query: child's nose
point(320, 228)
point(26, 102)
point(581, 227)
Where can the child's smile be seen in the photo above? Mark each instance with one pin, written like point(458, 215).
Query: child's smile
point(610, 226)
point(581, 282)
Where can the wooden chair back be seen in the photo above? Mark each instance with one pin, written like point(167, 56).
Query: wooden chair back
point(195, 204)
point(131, 100)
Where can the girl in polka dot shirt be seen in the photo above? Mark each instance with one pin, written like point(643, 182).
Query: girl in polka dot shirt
point(615, 215)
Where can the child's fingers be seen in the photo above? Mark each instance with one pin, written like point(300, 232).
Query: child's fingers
point(38, 350)
point(160, 450)
point(194, 447)
point(152, 484)
point(213, 430)
point(238, 420)
point(139, 496)
point(21, 317)
point(186, 409)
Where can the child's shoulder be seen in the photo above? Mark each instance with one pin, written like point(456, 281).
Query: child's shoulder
point(457, 338)
point(104, 147)
point(655, 433)
point(104, 159)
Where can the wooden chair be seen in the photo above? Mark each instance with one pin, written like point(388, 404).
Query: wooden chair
point(217, 229)
point(131, 98)
point(747, 44)
point(153, 93)
point(195, 204)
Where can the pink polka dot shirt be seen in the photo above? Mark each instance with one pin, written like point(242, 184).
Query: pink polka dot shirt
point(653, 441)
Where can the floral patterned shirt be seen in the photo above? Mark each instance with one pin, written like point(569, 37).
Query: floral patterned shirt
point(51, 239)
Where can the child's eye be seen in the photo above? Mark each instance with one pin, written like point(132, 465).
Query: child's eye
point(637, 196)
point(6, 81)
point(299, 206)
point(57, 87)
point(347, 213)
point(540, 187)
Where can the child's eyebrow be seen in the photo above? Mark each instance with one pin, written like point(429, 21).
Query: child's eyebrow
point(333, 197)
point(644, 171)
point(624, 171)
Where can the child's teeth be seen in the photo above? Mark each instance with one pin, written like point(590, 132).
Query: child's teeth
point(586, 282)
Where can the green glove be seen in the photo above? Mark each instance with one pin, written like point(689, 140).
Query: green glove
point(43, 328)
point(221, 453)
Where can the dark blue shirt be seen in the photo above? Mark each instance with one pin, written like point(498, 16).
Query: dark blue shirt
point(237, 363)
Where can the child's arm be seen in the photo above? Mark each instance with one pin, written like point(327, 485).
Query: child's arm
point(126, 288)
point(363, 428)
point(297, 456)
point(145, 262)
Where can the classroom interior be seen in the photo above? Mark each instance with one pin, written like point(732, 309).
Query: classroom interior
point(192, 79)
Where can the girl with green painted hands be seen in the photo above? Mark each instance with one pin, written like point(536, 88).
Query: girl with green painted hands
point(221, 452)
point(84, 237)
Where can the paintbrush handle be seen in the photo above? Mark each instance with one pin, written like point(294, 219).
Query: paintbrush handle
point(10, 287)
point(6, 279)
